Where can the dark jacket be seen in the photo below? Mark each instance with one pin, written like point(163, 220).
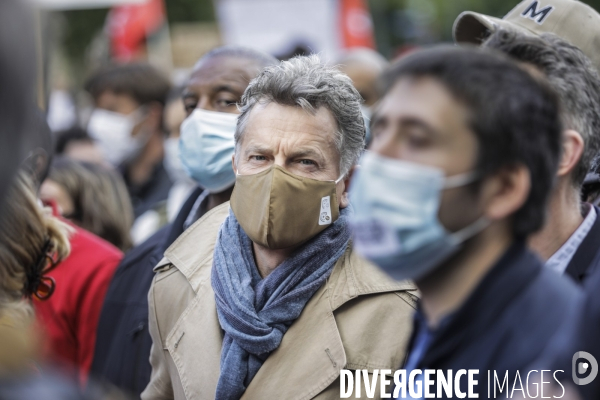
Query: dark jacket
point(122, 350)
point(505, 324)
point(586, 259)
point(146, 195)
point(579, 335)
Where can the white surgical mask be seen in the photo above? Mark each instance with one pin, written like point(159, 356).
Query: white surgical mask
point(112, 132)
point(395, 219)
point(206, 148)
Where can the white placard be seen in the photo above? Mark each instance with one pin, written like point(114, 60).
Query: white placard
point(278, 26)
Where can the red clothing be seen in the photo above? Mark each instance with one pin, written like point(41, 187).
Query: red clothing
point(70, 316)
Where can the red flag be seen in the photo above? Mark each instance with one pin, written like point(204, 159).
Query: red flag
point(357, 25)
point(130, 25)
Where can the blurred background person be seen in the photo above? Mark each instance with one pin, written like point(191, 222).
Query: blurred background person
point(127, 125)
point(92, 197)
point(75, 143)
point(165, 211)
point(32, 243)
point(569, 243)
point(69, 318)
point(17, 87)
point(25, 266)
point(574, 21)
point(183, 184)
point(206, 144)
point(364, 66)
point(24, 269)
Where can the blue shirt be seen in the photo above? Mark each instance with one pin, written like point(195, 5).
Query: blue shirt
point(423, 338)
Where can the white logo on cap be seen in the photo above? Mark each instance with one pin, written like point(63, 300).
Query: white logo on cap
point(325, 213)
point(540, 16)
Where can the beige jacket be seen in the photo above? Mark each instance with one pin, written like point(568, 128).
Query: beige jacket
point(359, 319)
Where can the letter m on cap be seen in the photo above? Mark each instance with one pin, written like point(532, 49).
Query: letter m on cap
point(533, 13)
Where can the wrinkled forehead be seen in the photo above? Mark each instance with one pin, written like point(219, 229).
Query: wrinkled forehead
point(272, 123)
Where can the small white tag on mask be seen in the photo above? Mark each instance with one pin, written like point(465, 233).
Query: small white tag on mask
point(325, 213)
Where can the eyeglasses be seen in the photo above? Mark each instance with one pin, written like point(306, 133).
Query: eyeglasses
point(47, 284)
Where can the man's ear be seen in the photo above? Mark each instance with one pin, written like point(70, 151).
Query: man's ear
point(504, 193)
point(572, 149)
point(233, 164)
point(344, 199)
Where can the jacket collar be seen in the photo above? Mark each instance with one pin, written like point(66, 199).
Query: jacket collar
point(191, 252)
point(177, 226)
point(312, 344)
point(357, 278)
point(587, 254)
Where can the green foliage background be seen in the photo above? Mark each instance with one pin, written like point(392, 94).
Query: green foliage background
point(82, 25)
point(444, 14)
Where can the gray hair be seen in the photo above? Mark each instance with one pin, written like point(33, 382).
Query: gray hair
point(571, 74)
point(307, 83)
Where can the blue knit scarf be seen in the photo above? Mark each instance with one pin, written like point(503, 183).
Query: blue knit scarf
point(255, 313)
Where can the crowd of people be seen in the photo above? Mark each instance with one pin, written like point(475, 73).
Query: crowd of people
point(273, 224)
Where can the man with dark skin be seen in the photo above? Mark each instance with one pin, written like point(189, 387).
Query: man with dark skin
point(121, 358)
point(214, 88)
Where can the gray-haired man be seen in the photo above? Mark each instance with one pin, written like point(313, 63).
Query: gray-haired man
point(570, 239)
point(556, 37)
point(267, 298)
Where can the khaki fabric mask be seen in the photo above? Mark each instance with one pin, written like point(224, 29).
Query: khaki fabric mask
point(278, 209)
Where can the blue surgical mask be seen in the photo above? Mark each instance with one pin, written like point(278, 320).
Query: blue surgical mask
point(172, 163)
point(206, 147)
point(395, 219)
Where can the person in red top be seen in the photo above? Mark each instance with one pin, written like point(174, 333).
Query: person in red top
point(70, 316)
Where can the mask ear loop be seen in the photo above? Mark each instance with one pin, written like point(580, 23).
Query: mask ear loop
point(338, 180)
point(482, 222)
point(459, 180)
point(469, 231)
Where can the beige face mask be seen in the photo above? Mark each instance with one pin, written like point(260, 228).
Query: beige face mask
point(278, 209)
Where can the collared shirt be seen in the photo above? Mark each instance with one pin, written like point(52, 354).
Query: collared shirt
point(423, 337)
point(560, 260)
